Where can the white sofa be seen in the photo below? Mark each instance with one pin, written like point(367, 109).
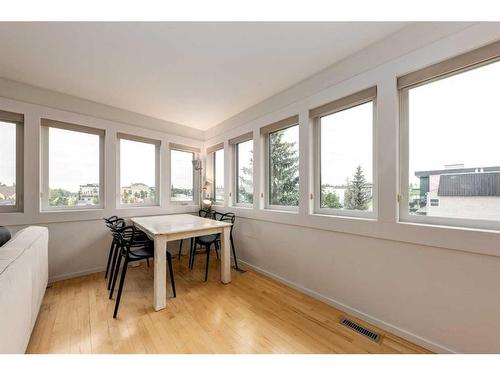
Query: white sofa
point(23, 280)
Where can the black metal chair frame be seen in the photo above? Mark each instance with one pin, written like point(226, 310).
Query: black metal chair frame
point(207, 241)
point(114, 223)
point(209, 214)
point(134, 245)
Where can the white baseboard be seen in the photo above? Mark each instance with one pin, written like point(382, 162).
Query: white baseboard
point(428, 344)
point(72, 275)
point(88, 271)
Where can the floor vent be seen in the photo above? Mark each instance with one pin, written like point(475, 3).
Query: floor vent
point(360, 329)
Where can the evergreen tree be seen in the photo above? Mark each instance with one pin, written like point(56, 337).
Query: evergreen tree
point(357, 195)
point(245, 184)
point(284, 173)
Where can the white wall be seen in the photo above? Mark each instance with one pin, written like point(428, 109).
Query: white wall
point(437, 286)
point(442, 299)
point(78, 240)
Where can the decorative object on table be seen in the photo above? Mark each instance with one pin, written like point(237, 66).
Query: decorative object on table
point(206, 204)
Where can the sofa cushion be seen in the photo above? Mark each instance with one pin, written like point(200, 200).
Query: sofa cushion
point(23, 279)
point(18, 244)
point(4, 235)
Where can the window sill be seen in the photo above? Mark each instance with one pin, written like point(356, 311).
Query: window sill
point(183, 203)
point(11, 211)
point(294, 210)
point(136, 206)
point(243, 207)
point(71, 210)
point(369, 218)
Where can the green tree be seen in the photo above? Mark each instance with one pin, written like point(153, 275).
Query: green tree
point(357, 195)
point(59, 197)
point(284, 172)
point(329, 199)
point(245, 184)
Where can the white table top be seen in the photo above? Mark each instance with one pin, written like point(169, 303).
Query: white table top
point(170, 224)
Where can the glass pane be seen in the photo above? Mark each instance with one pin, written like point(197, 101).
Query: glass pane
point(454, 163)
point(137, 173)
point(73, 168)
point(245, 172)
point(347, 159)
point(181, 175)
point(7, 164)
point(284, 167)
point(219, 175)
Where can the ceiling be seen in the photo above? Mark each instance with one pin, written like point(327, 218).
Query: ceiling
point(195, 74)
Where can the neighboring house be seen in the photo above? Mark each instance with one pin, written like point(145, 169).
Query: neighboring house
point(138, 193)
point(88, 194)
point(460, 192)
point(7, 195)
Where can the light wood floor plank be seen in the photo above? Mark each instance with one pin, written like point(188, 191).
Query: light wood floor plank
point(253, 314)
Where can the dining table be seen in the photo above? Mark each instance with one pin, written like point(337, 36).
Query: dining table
point(165, 228)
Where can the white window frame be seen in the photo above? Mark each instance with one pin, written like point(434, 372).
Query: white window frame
point(18, 120)
point(135, 138)
point(196, 183)
point(234, 145)
point(45, 125)
point(266, 133)
point(342, 104)
point(456, 65)
point(212, 151)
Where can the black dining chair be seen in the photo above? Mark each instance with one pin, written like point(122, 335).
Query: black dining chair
point(133, 246)
point(112, 223)
point(231, 218)
point(207, 241)
point(201, 213)
point(115, 225)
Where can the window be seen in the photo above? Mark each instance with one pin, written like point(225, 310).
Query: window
point(243, 158)
point(11, 161)
point(218, 178)
point(72, 166)
point(344, 162)
point(182, 173)
point(450, 171)
point(139, 170)
point(282, 170)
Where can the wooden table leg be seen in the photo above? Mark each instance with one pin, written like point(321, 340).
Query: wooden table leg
point(160, 270)
point(225, 266)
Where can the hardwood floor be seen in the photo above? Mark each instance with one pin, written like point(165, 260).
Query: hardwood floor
point(253, 314)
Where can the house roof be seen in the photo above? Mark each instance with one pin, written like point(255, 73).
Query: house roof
point(455, 171)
